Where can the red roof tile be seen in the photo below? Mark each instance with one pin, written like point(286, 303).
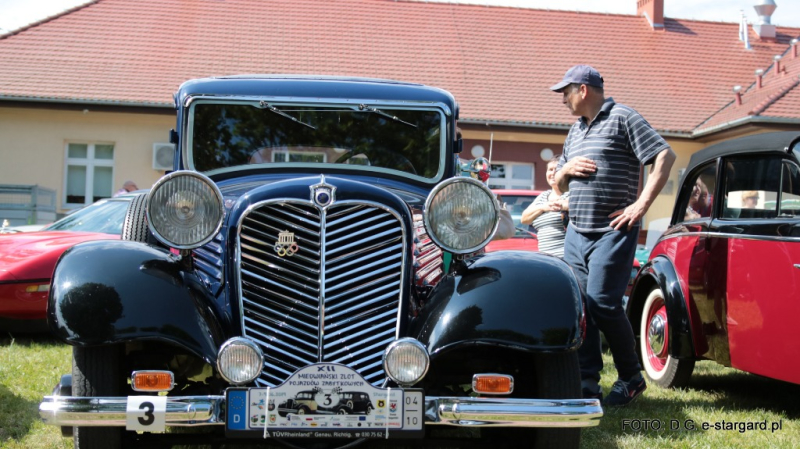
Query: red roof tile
point(778, 97)
point(497, 61)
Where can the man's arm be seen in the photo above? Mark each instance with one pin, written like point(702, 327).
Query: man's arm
point(579, 167)
point(655, 182)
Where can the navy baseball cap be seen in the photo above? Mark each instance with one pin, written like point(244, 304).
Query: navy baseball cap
point(580, 74)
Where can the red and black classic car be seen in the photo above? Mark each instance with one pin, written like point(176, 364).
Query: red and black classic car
point(315, 236)
point(722, 281)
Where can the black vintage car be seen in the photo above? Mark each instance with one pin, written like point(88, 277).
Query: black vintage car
point(302, 403)
point(340, 403)
point(315, 235)
point(357, 402)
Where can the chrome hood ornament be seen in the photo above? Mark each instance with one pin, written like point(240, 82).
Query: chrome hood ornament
point(323, 194)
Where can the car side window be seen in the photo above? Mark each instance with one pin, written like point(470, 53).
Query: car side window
point(751, 187)
point(697, 197)
point(790, 190)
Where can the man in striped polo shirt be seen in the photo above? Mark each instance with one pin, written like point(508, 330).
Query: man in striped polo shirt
point(600, 166)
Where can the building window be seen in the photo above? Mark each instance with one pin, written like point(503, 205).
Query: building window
point(506, 175)
point(89, 173)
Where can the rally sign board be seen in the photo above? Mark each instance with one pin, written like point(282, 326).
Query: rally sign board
point(325, 400)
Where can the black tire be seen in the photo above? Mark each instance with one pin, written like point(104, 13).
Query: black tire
point(135, 226)
point(661, 368)
point(549, 376)
point(557, 377)
point(95, 372)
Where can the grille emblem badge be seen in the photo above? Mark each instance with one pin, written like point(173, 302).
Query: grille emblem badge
point(286, 246)
point(323, 194)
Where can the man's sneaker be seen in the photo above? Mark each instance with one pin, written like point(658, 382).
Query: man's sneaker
point(589, 394)
point(622, 393)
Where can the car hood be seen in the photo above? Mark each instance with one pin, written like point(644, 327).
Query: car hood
point(33, 255)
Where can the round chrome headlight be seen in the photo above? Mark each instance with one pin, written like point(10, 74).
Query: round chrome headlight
point(240, 360)
point(406, 361)
point(184, 209)
point(461, 215)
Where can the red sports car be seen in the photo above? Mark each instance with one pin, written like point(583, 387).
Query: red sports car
point(516, 201)
point(27, 259)
point(722, 283)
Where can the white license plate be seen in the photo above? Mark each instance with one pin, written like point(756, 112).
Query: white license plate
point(325, 400)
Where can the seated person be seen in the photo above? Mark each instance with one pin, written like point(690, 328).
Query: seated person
point(699, 202)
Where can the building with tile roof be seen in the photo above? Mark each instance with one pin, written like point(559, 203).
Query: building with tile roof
point(104, 74)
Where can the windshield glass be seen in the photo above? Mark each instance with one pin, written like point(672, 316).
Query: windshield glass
point(105, 216)
point(364, 137)
point(515, 204)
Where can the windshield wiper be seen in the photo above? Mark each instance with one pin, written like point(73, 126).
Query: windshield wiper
point(264, 105)
point(364, 107)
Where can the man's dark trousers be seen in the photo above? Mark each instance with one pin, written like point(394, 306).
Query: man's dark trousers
point(602, 264)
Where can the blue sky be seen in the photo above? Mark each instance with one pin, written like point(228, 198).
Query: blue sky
point(17, 13)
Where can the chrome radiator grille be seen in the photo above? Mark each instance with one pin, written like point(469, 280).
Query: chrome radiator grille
point(336, 299)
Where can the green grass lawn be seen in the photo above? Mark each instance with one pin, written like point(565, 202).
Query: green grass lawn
point(30, 368)
point(716, 395)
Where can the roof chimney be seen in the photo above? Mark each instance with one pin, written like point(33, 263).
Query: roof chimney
point(737, 92)
point(778, 68)
point(764, 28)
point(653, 10)
point(759, 78)
point(794, 48)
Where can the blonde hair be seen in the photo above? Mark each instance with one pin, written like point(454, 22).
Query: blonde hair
point(749, 194)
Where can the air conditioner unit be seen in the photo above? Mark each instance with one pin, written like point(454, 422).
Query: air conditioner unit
point(163, 155)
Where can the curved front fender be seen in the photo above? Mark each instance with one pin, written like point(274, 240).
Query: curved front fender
point(508, 298)
point(661, 273)
point(106, 292)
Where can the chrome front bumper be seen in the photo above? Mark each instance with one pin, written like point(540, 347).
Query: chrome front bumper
point(454, 411)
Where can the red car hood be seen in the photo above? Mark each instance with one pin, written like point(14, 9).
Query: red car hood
point(33, 255)
point(515, 243)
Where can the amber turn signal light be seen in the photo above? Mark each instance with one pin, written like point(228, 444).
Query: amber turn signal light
point(492, 383)
point(152, 380)
point(37, 288)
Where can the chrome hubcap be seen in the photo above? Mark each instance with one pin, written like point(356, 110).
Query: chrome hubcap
point(655, 333)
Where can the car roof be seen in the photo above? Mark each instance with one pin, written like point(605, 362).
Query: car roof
point(315, 86)
point(775, 142)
